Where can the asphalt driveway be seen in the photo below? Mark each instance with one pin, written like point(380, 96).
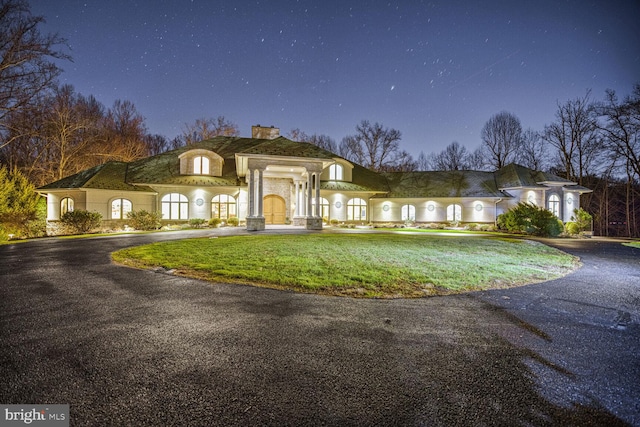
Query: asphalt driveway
point(132, 347)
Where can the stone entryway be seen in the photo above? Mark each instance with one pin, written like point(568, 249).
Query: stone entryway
point(274, 209)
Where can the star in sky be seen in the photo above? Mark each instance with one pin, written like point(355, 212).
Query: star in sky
point(435, 70)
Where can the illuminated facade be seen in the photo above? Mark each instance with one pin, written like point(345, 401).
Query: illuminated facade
point(269, 179)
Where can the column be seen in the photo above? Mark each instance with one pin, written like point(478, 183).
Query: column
point(251, 185)
point(260, 210)
point(309, 195)
point(296, 197)
point(317, 184)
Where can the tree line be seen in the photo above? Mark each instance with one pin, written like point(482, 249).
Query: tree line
point(49, 131)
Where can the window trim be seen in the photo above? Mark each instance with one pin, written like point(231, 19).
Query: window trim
point(354, 203)
point(553, 205)
point(201, 165)
point(336, 172)
point(227, 204)
point(182, 205)
point(406, 212)
point(454, 212)
point(122, 203)
point(67, 207)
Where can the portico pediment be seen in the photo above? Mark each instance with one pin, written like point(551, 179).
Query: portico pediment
point(279, 166)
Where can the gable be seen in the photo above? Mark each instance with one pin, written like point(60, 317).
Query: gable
point(192, 159)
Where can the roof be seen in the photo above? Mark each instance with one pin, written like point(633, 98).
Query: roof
point(107, 176)
point(164, 169)
point(442, 184)
point(517, 176)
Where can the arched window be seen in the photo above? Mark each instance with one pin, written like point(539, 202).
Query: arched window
point(554, 204)
point(336, 172)
point(175, 206)
point(66, 205)
point(408, 213)
point(201, 165)
point(223, 206)
point(120, 208)
point(454, 213)
point(356, 210)
point(324, 207)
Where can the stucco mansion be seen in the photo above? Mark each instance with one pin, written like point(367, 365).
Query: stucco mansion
point(268, 179)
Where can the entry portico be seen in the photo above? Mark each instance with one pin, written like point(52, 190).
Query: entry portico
point(301, 196)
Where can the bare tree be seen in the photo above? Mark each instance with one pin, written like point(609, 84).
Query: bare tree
point(533, 151)
point(57, 141)
point(26, 64)
point(124, 134)
point(575, 137)
point(621, 127)
point(156, 144)
point(204, 128)
point(453, 157)
point(501, 138)
point(71, 126)
point(477, 160)
point(297, 135)
point(422, 163)
point(323, 141)
point(374, 147)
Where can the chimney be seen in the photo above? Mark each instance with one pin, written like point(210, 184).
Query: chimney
point(263, 132)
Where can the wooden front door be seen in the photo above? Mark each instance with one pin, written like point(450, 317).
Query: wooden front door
point(274, 209)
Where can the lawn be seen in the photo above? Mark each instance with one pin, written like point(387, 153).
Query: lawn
point(363, 265)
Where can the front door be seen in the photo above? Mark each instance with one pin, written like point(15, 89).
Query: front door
point(274, 209)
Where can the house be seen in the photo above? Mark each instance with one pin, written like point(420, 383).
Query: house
point(269, 179)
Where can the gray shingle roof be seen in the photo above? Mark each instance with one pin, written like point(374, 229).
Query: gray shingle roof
point(516, 176)
point(107, 176)
point(164, 169)
point(442, 184)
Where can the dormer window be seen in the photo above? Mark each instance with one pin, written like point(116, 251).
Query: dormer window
point(201, 162)
point(336, 172)
point(200, 165)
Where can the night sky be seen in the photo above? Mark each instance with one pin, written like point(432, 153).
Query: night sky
point(435, 70)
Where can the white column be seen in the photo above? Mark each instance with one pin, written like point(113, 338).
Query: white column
point(260, 211)
point(309, 195)
point(297, 197)
point(317, 184)
point(251, 185)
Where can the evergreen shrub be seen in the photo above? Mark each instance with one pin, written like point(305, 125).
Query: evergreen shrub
point(81, 221)
point(144, 220)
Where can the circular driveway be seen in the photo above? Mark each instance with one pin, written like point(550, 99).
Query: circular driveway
point(133, 347)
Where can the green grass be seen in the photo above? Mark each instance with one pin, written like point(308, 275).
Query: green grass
point(367, 265)
point(632, 244)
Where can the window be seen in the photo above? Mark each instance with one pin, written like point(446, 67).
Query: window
point(554, 204)
point(223, 206)
point(454, 213)
point(408, 213)
point(356, 210)
point(120, 208)
point(201, 165)
point(336, 172)
point(66, 205)
point(324, 207)
point(175, 206)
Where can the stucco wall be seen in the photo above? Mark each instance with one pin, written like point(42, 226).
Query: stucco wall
point(427, 211)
